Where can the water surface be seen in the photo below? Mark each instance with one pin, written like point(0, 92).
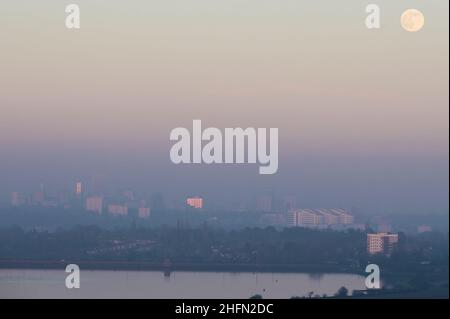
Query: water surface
point(20, 283)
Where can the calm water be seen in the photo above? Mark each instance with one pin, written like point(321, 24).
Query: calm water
point(21, 283)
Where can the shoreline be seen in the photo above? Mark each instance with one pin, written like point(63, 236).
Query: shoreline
point(151, 266)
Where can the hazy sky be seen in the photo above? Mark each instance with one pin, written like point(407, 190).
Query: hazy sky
point(362, 114)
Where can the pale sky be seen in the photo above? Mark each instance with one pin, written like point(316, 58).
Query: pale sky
point(372, 102)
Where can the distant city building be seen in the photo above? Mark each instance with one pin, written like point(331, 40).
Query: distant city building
point(38, 198)
point(264, 204)
point(94, 204)
point(329, 218)
point(118, 210)
point(424, 229)
point(16, 199)
point(78, 188)
point(381, 243)
point(289, 203)
point(345, 218)
point(144, 212)
point(195, 202)
point(309, 217)
point(319, 217)
point(292, 218)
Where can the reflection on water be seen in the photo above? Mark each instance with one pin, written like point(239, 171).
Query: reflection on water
point(167, 275)
point(316, 276)
point(178, 284)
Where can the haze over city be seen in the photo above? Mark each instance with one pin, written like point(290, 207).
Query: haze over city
point(362, 116)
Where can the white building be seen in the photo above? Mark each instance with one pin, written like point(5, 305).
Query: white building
point(329, 218)
point(319, 217)
point(381, 243)
point(344, 217)
point(309, 217)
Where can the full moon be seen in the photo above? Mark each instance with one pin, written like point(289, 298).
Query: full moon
point(412, 20)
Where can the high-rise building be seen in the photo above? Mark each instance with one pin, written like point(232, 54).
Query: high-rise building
point(381, 243)
point(118, 210)
point(292, 218)
point(78, 188)
point(195, 202)
point(94, 204)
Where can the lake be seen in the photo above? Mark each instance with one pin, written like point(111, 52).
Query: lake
point(32, 283)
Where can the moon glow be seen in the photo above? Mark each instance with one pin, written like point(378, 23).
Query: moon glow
point(412, 20)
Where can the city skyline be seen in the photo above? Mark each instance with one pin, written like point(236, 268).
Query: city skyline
point(228, 150)
point(118, 196)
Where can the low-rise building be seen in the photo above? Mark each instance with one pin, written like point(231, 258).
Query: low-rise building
point(319, 217)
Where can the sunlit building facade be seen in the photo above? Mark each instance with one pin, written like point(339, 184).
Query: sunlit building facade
point(78, 188)
point(381, 243)
point(195, 202)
